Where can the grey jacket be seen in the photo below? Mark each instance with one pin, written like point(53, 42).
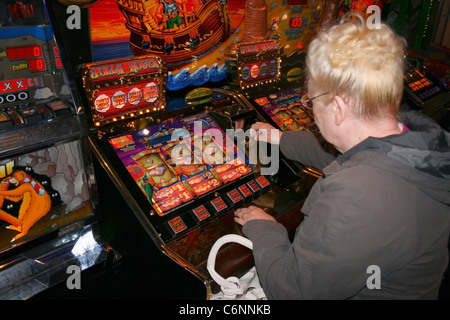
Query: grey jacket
point(376, 223)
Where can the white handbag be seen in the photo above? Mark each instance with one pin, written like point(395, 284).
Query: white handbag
point(245, 288)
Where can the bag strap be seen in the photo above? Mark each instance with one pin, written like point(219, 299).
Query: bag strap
point(231, 285)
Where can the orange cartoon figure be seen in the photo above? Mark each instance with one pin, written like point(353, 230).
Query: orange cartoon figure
point(35, 201)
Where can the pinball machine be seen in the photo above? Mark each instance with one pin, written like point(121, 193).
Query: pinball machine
point(48, 208)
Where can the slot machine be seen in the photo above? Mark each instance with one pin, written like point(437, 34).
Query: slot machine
point(255, 74)
point(425, 92)
point(180, 171)
point(169, 129)
point(48, 217)
point(278, 97)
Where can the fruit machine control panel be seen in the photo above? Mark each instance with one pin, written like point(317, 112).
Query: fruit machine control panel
point(32, 71)
point(423, 91)
point(47, 207)
point(182, 170)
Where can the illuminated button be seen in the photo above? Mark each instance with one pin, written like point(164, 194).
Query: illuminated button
point(234, 197)
point(254, 187)
point(201, 213)
point(263, 182)
point(30, 114)
point(177, 225)
point(58, 108)
point(218, 204)
point(245, 191)
point(5, 121)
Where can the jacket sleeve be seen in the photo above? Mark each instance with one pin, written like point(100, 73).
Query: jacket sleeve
point(342, 235)
point(307, 149)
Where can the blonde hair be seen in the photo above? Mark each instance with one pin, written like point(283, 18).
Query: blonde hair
point(364, 66)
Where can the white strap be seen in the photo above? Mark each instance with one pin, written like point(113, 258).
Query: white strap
point(231, 285)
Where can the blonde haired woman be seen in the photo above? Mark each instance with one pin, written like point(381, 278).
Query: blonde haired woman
point(377, 222)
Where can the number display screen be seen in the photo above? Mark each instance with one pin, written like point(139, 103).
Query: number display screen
point(26, 52)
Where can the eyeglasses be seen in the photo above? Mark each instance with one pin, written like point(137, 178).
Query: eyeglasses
point(307, 102)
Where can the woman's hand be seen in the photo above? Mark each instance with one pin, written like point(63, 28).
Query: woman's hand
point(265, 132)
point(244, 215)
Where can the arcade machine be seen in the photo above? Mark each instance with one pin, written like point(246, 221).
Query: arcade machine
point(48, 214)
point(180, 171)
point(163, 119)
point(280, 101)
point(425, 92)
point(170, 131)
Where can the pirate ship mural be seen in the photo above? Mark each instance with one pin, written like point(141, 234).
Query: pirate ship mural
point(171, 28)
point(194, 37)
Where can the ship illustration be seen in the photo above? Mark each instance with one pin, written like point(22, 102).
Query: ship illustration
point(179, 31)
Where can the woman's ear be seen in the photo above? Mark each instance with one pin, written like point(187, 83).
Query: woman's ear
point(340, 109)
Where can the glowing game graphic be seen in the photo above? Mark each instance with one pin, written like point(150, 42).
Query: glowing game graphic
point(173, 167)
point(41, 191)
point(194, 36)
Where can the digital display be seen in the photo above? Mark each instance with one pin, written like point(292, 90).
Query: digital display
point(416, 80)
point(58, 63)
point(24, 52)
point(178, 161)
point(36, 65)
point(57, 57)
point(295, 22)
